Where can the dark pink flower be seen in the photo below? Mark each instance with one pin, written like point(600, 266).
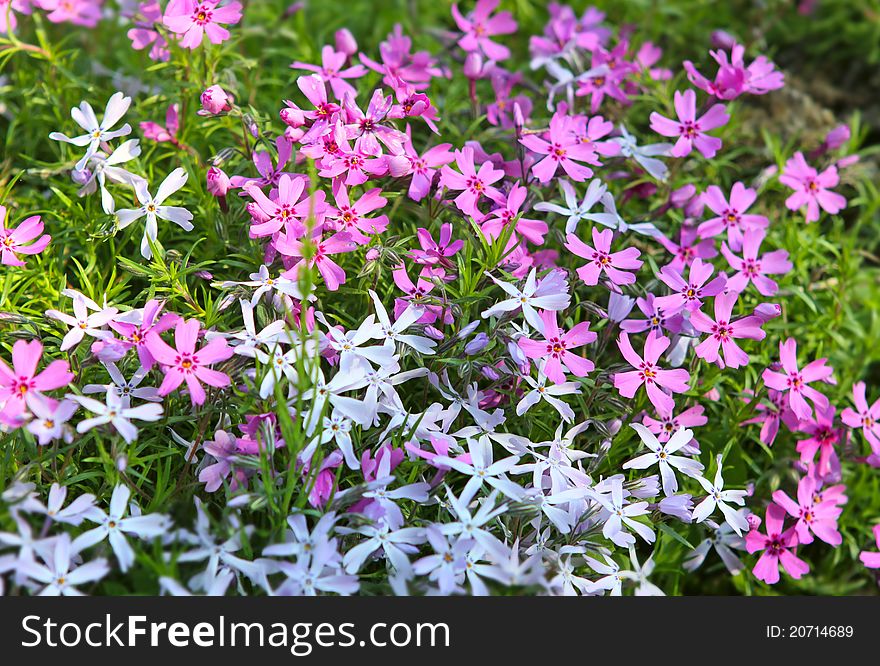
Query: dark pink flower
point(867, 417)
point(478, 27)
point(689, 293)
point(20, 240)
point(819, 518)
point(720, 347)
point(796, 382)
point(562, 149)
point(811, 188)
point(731, 214)
point(556, 348)
point(21, 385)
point(192, 19)
point(778, 547)
point(751, 268)
point(186, 363)
point(473, 184)
point(690, 130)
point(649, 374)
point(602, 260)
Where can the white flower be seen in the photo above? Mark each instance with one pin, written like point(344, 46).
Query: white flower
point(724, 540)
point(126, 389)
point(391, 333)
point(551, 293)
point(265, 284)
point(152, 208)
point(717, 497)
point(541, 391)
point(483, 469)
point(662, 455)
point(621, 515)
point(56, 573)
point(644, 155)
point(96, 132)
point(115, 412)
point(50, 420)
point(104, 168)
point(577, 212)
point(248, 338)
point(114, 526)
point(83, 323)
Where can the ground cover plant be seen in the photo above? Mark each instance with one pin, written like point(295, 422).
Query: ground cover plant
point(424, 298)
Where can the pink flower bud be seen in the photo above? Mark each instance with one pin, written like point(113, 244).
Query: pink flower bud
point(372, 254)
point(292, 115)
point(473, 65)
point(723, 40)
point(215, 100)
point(837, 137)
point(849, 160)
point(345, 42)
point(217, 182)
point(398, 165)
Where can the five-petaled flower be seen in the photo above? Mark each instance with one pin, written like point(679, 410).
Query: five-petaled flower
point(186, 363)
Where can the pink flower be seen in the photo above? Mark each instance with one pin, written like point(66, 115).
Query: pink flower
point(867, 418)
point(751, 268)
point(690, 292)
point(796, 381)
point(215, 100)
point(872, 560)
point(771, 415)
point(656, 318)
point(611, 71)
point(819, 518)
point(18, 241)
point(811, 188)
point(8, 9)
point(472, 183)
point(602, 260)
point(723, 331)
point(86, 13)
point(145, 33)
point(185, 363)
point(330, 271)
point(422, 167)
point(690, 130)
point(556, 346)
point(823, 437)
point(562, 149)
point(192, 20)
point(333, 71)
point(416, 293)
point(668, 424)
point(168, 133)
point(734, 78)
point(778, 546)
point(479, 26)
point(688, 248)
point(731, 215)
point(290, 207)
point(21, 385)
point(647, 372)
point(500, 218)
point(353, 217)
point(269, 174)
point(134, 327)
point(366, 128)
point(435, 254)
